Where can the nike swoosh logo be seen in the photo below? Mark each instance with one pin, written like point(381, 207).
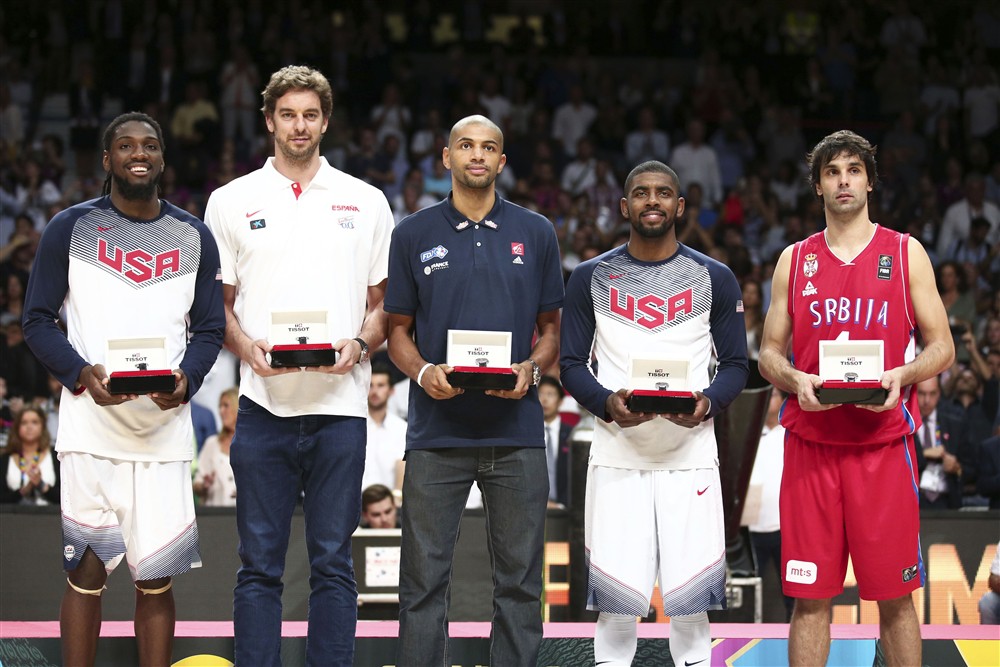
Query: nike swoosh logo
point(103, 229)
point(250, 215)
point(699, 493)
point(688, 664)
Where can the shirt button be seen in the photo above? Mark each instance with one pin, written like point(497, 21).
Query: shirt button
point(478, 244)
point(477, 226)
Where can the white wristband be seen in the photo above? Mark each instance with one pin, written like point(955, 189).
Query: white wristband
point(420, 375)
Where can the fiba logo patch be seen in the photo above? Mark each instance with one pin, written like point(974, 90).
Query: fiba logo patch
point(884, 267)
point(800, 572)
point(69, 551)
point(909, 573)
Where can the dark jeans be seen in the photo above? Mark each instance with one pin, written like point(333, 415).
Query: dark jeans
point(515, 486)
point(274, 459)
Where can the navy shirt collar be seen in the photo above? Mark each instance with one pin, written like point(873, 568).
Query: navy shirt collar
point(460, 222)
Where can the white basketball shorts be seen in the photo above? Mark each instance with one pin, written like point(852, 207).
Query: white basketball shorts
point(141, 510)
point(644, 523)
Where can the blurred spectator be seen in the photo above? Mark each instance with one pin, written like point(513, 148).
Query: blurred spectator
point(11, 124)
point(50, 404)
point(647, 141)
point(963, 392)
point(988, 471)
point(203, 420)
point(557, 443)
point(238, 101)
point(26, 377)
point(909, 146)
point(378, 507)
point(734, 148)
point(13, 301)
point(35, 194)
point(195, 128)
point(28, 463)
point(498, 107)
point(573, 119)
point(85, 101)
point(953, 285)
point(989, 604)
point(430, 137)
point(386, 435)
point(580, 174)
point(696, 162)
point(958, 217)
point(214, 482)
point(760, 513)
point(780, 135)
point(903, 29)
point(940, 444)
point(939, 96)
point(437, 181)
point(753, 315)
point(981, 102)
point(392, 116)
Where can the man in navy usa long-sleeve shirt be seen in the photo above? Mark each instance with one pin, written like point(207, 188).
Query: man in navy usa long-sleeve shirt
point(125, 266)
point(654, 500)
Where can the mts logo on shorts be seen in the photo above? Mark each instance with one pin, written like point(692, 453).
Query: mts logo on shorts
point(800, 572)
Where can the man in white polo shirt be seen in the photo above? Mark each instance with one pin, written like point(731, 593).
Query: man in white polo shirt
point(299, 235)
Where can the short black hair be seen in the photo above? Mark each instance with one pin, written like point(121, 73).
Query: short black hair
point(654, 166)
point(382, 369)
point(842, 141)
point(552, 382)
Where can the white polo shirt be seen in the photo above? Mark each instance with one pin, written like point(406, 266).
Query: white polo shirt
point(317, 249)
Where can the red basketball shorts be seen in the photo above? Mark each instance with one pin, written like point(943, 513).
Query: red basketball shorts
point(861, 501)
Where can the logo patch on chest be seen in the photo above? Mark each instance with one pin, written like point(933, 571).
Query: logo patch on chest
point(434, 253)
point(884, 267)
point(811, 265)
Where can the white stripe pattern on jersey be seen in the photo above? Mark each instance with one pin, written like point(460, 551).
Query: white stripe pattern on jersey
point(159, 236)
point(663, 280)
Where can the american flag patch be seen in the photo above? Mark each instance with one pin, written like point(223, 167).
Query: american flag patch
point(739, 306)
point(218, 274)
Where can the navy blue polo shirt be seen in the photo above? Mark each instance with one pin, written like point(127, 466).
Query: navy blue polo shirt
point(497, 274)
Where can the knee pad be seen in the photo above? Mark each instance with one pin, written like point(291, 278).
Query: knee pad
point(154, 591)
point(83, 591)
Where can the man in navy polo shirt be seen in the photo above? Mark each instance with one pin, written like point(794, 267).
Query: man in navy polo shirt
point(473, 261)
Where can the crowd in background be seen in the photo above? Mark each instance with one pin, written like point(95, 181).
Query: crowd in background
point(731, 95)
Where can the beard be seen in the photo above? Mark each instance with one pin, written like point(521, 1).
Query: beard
point(137, 191)
point(293, 154)
point(648, 232)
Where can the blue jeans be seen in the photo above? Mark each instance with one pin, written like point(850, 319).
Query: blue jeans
point(274, 459)
point(515, 485)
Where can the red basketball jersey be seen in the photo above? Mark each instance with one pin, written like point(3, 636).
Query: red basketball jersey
point(869, 298)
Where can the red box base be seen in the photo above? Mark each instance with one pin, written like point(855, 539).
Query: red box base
point(864, 392)
point(478, 377)
point(142, 382)
point(297, 356)
point(662, 402)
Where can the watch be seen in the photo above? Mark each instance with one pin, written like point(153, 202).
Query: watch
point(364, 350)
point(536, 372)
